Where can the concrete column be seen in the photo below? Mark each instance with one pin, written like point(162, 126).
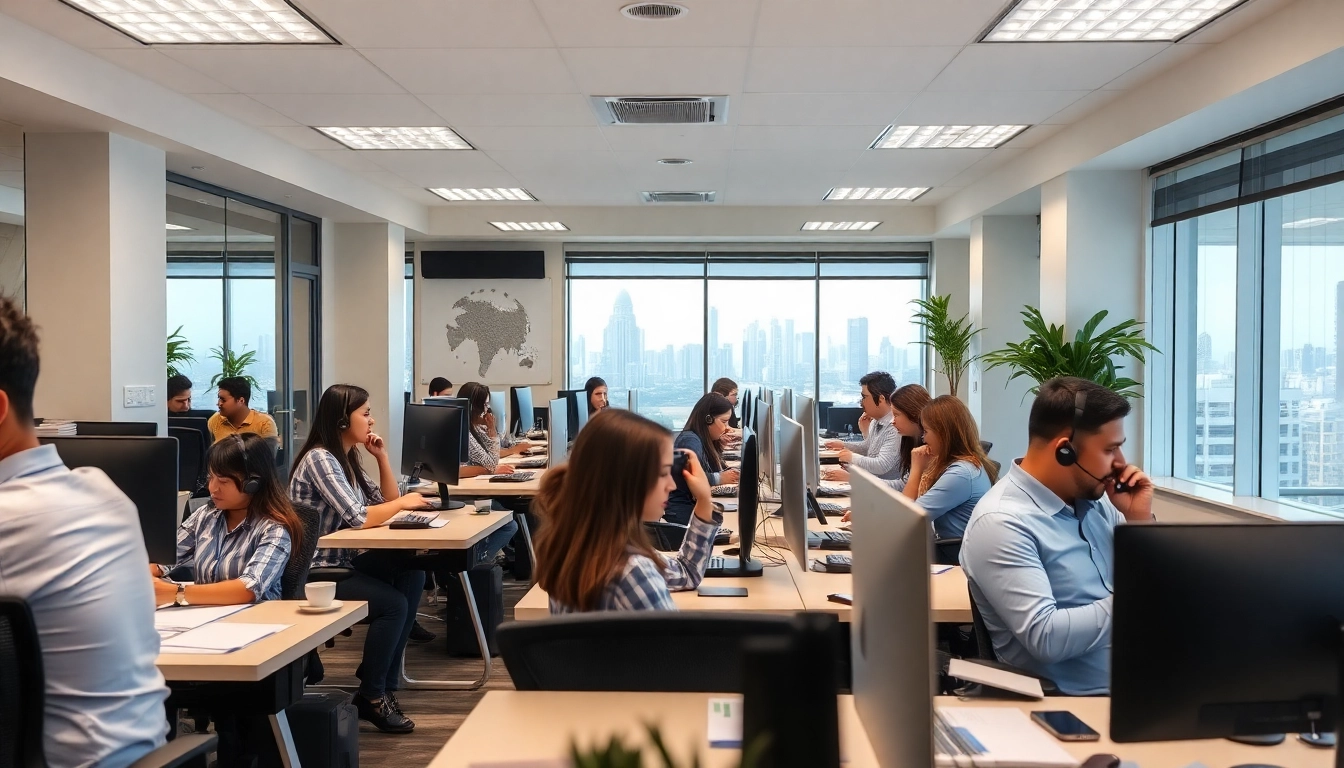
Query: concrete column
point(97, 274)
point(364, 321)
point(1004, 278)
point(951, 275)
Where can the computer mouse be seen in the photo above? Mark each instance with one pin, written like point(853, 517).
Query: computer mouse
point(732, 551)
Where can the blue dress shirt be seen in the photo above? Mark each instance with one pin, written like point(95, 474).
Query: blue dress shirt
point(256, 552)
point(950, 500)
point(1041, 573)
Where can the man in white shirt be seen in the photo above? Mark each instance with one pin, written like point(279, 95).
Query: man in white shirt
point(880, 450)
point(70, 545)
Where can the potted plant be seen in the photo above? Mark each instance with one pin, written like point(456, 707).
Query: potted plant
point(1092, 354)
point(950, 339)
point(233, 364)
point(179, 352)
point(616, 755)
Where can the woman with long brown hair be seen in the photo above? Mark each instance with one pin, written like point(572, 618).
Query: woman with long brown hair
point(950, 472)
point(703, 435)
point(592, 552)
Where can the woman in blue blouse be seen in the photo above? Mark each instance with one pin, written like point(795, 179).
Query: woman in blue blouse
point(950, 472)
point(702, 436)
point(237, 545)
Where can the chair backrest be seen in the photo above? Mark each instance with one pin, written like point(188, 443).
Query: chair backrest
point(190, 458)
point(301, 557)
point(984, 644)
point(636, 651)
point(117, 428)
point(665, 537)
point(22, 697)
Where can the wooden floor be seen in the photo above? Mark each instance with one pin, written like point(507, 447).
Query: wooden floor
point(437, 714)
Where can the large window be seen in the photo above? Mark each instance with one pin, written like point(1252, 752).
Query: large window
point(668, 324)
point(1254, 239)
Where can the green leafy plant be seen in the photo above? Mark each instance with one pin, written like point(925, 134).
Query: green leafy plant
point(233, 364)
point(617, 755)
point(179, 352)
point(950, 339)
point(1092, 354)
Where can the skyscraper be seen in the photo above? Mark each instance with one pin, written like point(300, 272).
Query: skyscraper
point(857, 344)
point(790, 340)
point(776, 363)
point(622, 345)
point(753, 352)
point(713, 332)
point(1204, 353)
point(886, 358)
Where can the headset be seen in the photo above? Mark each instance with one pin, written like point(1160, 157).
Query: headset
point(343, 423)
point(251, 481)
point(1067, 455)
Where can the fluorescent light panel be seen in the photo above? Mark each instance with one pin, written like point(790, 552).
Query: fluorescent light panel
point(495, 194)
point(875, 193)
point(840, 226)
point(201, 22)
point(946, 136)
point(1032, 21)
point(529, 226)
point(176, 227)
point(396, 138)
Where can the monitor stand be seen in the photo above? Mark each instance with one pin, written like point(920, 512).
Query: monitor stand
point(445, 502)
point(741, 569)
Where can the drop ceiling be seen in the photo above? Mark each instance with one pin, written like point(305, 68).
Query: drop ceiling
point(810, 85)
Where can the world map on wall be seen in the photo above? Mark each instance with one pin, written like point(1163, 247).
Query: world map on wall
point(497, 323)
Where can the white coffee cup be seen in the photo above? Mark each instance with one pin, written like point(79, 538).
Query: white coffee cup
point(320, 593)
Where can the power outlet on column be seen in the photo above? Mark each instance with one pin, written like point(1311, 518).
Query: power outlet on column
point(138, 396)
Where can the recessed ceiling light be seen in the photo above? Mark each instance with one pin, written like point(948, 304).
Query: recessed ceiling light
point(1315, 221)
point(499, 194)
point(529, 226)
point(875, 193)
point(946, 136)
point(396, 138)
point(654, 11)
point(204, 22)
point(674, 161)
point(1033, 21)
point(840, 226)
point(177, 227)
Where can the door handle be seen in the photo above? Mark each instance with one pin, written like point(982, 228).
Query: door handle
point(283, 410)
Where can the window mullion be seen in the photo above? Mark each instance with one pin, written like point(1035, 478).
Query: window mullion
point(1272, 300)
point(1185, 347)
point(1158, 390)
point(1246, 475)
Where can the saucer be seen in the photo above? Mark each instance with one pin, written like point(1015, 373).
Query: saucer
point(305, 607)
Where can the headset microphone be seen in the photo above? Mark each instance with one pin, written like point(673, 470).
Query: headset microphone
point(1067, 455)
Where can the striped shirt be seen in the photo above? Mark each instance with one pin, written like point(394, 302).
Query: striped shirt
point(641, 587)
point(255, 552)
point(880, 452)
point(320, 483)
point(482, 449)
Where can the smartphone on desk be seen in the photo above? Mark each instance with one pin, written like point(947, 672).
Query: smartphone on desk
point(721, 591)
point(841, 598)
point(1065, 726)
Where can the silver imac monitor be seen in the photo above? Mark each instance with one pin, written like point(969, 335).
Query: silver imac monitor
point(634, 401)
point(786, 403)
point(805, 413)
point(557, 440)
point(498, 404)
point(891, 634)
point(792, 491)
point(583, 420)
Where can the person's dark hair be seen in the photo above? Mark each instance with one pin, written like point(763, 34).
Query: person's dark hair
point(724, 386)
point(709, 407)
point(333, 410)
point(245, 455)
point(589, 387)
point(477, 396)
point(910, 400)
point(238, 387)
point(19, 361)
point(178, 384)
point(880, 385)
point(1052, 414)
point(439, 384)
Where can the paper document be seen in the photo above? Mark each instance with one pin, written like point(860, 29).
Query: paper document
point(224, 637)
point(1002, 736)
point(180, 619)
point(937, 569)
point(996, 678)
point(725, 722)
point(437, 522)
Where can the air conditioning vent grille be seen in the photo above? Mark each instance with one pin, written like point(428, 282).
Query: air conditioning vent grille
point(670, 110)
point(678, 197)
point(653, 11)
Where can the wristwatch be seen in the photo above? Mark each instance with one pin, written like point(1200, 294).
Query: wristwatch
point(181, 598)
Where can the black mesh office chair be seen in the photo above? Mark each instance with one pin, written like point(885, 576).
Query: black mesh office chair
point(984, 646)
point(637, 651)
point(300, 557)
point(23, 701)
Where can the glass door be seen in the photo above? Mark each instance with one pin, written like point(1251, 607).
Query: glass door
point(303, 301)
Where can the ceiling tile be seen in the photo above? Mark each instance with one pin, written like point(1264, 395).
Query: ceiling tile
point(709, 172)
point(526, 164)
point(997, 159)
point(803, 23)
point(910, 167)
point(657, 71)
point(1164, 61)
point(492, 70)
point(1235, 21)
point(432, 23)
point(687, 141)
point(304, 137)
point(820, 108)
point(365, 109)
point(243, 108)
point(779, 185)
point(294, 69)
point(170, 73)
point(536, 109)
point(753, 162)
point(443, 169)
point(72, 26)
point(986, 107)
point(599, 23)
point(805, 138)
point(1083, 107)
point(564, 138)
point(1041, 66)
point(350, 159)
point(845, 70)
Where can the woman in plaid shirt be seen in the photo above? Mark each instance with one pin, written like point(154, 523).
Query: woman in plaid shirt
point(592, 553)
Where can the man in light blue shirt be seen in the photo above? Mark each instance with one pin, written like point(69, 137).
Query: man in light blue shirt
point(1038, 549)
point(70, 545)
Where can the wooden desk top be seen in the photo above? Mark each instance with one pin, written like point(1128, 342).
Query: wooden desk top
point(462, 532)
point(481, 487)
point(552, 719)
point(264, 657)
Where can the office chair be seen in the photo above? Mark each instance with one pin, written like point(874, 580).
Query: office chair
point(117, 428)
point(300, 557)
point(190, 458)
point(638, 651)
point(985, 654)
point(23, 700)
point(665, 536)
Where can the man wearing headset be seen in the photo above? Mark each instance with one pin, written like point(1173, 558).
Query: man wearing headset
point(1038, 549)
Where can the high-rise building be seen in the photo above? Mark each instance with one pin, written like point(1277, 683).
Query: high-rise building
point(886, 358)
point(857, 344)
point(1204, 354)
point(623, 345)
point(753, 353)
point(1215, 431)
point(807, 352)
point(1309, 359)
point(578, 366)
point(777, 361)
point(790, 369)
point(690, 362)
point(713, 331)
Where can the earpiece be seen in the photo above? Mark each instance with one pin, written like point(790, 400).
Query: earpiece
point(343, 423)
point(709, 419)
point(251, 481)
point(1065, 453)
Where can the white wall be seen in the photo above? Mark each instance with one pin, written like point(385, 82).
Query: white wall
point(12, 261)
point(951, 275)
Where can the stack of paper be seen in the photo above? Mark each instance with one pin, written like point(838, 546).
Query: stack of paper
point(171, 621)
point(221, 637)
point(56, 428)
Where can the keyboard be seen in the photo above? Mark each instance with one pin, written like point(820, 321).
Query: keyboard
point(536, 434)
point(531, 464)
point(833, 509)
point(723, 490)
point(516, 477)
point(949, 743)
point(830, 539)
point(833, 489)
point(723, 536)
point(412, 521)
point(839, 563)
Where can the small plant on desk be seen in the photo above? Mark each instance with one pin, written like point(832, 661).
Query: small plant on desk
point(617, 755)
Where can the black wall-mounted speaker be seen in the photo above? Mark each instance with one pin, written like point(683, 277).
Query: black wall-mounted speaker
point(483, 265)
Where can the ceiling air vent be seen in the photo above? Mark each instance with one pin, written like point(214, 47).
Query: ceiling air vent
point(678, 197)
point(654, 11)
point(668, 110)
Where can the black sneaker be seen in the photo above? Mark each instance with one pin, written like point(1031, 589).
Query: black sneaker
point(420, 635)
point(392, 701)
point(384, 716)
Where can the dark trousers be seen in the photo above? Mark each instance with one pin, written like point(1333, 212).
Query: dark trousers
point(383, 579)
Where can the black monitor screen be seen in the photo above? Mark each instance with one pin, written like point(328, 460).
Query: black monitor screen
point(460, 403)
point(843, 421)
point(432, 442)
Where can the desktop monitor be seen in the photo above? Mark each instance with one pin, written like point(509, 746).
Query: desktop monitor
point(748, 509)
point(498, 403)
point(891, 634)
point(117, 428)
point(557, 439)
point(843, 421)
point(431, 446)
point(582, 421)
point(460, 403)
point(1226, 630)
point(793, 489)
point(145, 469)
point(806, 414)
point(575, 400)
point(786, 403)
point(520, 407)
point(763, 424)
point(748, 402)
point(823, 407)
point(634, 401)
